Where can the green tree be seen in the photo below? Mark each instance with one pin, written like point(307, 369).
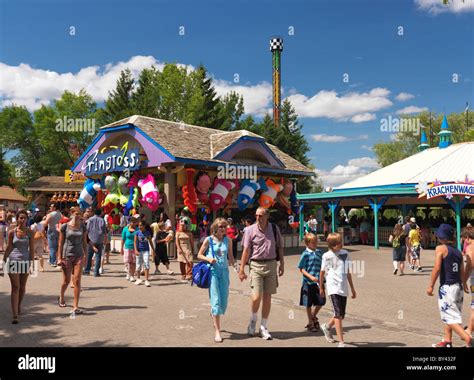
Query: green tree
point(119, 102)
point(406, 142)
point(5, 171)
point(146, 98)
point(231, 109)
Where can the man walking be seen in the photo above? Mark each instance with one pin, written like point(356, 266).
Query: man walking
point(262, 245)
point(97, 233)
point(53, 234)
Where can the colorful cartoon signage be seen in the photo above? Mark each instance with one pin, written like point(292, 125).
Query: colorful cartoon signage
point(449, 190)
point(115, 160)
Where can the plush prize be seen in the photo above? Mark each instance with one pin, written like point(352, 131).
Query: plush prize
point(203, 184)
point(189, 192)
point(220, 192)
point(132, 201)
point(150, 194)
point(248, 189)
point(267, 199)
point(88, 193)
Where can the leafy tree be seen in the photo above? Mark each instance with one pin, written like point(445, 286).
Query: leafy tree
point(5, 171)
point(406, 142)
point(119, 103)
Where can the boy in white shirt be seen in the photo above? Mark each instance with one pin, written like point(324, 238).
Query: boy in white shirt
point(335, 267)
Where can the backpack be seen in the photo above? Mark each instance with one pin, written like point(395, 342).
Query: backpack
point(275, 236)
point(202, 271)
point(396, 242)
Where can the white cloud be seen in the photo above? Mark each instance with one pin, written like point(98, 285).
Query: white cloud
point(354, 169)
point(435, 7)
point(336, 138)
point(256, 98)
point(403, 96)
point(411, 109)
point(32, 87)
point(363, 117)
point(352, 105)
point(367, 147)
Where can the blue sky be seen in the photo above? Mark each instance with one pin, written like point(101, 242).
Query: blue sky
point(39, 58)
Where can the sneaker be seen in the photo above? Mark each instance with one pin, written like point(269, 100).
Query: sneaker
point(157, 271)
point(341, 344)
point(147, 283)
point(169, 272)
point(395, 271)
point(101, 271)
point(138, 282)
point(264, 333)
point(420, 269)
point(132, 279)
point(442, 344)
point(327, 333)
point(412, 267)
point(127, 277)
point(251, 328)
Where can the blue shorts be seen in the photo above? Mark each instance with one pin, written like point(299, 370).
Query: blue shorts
point(310, 296)
point(143, 260)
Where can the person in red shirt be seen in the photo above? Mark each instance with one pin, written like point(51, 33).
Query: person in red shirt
point(233, 233)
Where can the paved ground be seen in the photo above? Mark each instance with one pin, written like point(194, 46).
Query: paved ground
point(390, 311)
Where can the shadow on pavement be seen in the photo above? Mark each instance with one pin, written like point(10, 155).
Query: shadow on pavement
point(376, 344)
point(35, 325)
point(111, 307)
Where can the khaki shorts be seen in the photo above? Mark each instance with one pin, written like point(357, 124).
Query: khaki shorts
point(263, 276)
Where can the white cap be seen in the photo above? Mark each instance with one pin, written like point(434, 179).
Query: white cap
point(413, 220)
point(37, 209)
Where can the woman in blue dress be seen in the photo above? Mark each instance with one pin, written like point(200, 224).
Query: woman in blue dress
point(217, 251)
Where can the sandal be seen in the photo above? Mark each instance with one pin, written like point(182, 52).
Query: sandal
point(316, 323)
point(78, 312)
point(61, 304)
point(15, 321)
point(218, 340)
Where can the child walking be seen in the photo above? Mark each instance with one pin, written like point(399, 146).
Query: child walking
point(414, 238)
point(310, 267)
point(335, 265)
point(142, 244)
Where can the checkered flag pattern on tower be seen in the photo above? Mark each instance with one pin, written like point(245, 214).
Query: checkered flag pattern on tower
point(276, 44)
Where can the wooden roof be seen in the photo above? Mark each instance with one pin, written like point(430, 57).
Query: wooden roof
point(53, 183)
point(9, 194)
point(199, 143)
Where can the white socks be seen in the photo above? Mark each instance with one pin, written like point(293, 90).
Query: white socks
point(264, 322)
point(253, 318)
point(395, 265)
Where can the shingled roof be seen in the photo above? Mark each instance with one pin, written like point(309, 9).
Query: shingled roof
point(53, 183)
point(199, 143)
point(9, 194)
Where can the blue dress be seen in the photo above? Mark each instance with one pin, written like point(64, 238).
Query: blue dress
point(219, 289)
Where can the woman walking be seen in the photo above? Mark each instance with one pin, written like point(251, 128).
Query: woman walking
point(185, 249)
point(162, 238)
point(398, 240)
point(142, 244)
point(3, 225)
point(18, 258)
point(127, 250)
point(217, 251)
point(38, 230)
point(71, 253)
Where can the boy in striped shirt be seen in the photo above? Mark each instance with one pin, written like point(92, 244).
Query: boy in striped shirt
point(310, 266)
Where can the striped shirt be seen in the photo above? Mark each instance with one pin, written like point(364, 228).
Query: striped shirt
point(310, 261)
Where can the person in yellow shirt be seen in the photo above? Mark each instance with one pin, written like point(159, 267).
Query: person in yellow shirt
point(414, 239)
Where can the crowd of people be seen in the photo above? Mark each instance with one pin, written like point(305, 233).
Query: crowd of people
point(80, 243)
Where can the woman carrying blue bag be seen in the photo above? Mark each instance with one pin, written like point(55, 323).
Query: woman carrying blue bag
point(217, 251)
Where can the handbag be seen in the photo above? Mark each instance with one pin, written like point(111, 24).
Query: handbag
point(202, 271)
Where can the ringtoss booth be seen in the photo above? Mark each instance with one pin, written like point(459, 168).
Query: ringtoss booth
point(141, 164)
